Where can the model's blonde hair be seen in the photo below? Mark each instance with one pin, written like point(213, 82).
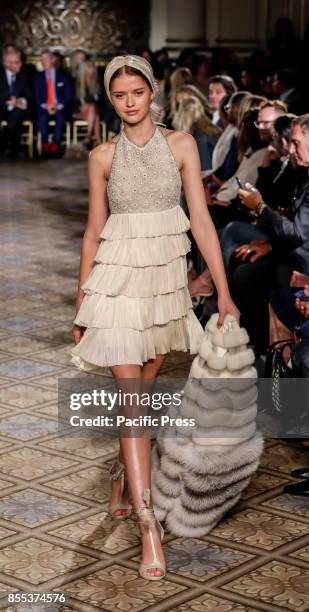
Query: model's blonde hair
point(191, 116)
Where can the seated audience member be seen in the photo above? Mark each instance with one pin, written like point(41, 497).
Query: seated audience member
point(87, 100)
point(179, 77)
point(59, 62)
point(53, 93)
point(15, 100)
point(187, 91)
point(277, 182)
point(277, 175)
point(77, 58)
point(248, 81)
point(191, 117)
point(284, 87)
point(218, 87)
point(287, 248)
point(200, 72)
point(257, 135)
point(224, 159)
point(185, 58)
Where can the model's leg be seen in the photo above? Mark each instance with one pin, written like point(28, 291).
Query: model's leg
point(135, 453)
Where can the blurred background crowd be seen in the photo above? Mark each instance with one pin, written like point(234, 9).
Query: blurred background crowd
point(248, 116)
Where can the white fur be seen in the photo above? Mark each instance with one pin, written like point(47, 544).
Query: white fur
point(198, 476)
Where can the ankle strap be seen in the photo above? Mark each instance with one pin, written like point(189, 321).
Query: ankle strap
point(116, 470)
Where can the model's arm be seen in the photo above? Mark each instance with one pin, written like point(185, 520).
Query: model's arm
point(202, 226)
point(98, 213)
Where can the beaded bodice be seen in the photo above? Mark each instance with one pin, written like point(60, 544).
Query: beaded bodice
point(143, 179)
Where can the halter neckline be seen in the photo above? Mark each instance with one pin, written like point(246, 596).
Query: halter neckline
point(134, 143)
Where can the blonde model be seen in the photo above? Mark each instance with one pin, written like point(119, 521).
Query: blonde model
point(133, 304)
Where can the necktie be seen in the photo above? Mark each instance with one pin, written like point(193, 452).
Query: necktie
point(50, 89)
point(12, 85)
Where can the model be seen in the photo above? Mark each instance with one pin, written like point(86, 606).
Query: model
point(133, 304)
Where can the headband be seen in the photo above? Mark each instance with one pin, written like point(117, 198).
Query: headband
point(135, 61)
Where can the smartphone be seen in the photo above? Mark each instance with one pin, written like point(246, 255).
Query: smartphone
point(239, 183)
point(301, 294)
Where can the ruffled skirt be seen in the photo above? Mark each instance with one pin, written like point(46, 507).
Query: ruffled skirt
point(137, 304)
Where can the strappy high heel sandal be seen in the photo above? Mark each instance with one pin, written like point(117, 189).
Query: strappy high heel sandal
point(117, 472)
point(148, 521)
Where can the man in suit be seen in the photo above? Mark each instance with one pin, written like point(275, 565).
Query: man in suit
point(53, 94)
point(15, 99)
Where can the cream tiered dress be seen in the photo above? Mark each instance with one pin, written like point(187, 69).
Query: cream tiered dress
point(137, 303)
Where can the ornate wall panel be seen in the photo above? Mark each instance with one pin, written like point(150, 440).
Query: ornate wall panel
point(98, 26)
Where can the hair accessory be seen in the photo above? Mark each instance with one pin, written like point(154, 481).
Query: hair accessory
point(135, 61)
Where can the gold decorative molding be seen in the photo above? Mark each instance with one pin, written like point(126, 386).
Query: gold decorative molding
point(100, 27)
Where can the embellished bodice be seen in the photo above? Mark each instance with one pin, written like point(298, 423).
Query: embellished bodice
point(143, 179)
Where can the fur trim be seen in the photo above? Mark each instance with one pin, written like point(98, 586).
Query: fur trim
point(225, 417)
point(216, 362)
point(240, 360)
point(198, 475)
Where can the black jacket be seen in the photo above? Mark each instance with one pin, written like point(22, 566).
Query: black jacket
point(292, 233)
point(22, 87)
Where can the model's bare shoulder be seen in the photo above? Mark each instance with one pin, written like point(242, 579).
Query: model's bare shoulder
point(103, 150)
point(102, 155)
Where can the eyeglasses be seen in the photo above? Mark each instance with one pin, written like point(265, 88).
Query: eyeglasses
point(261, 124)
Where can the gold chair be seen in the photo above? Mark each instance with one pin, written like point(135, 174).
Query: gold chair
point(80, 130)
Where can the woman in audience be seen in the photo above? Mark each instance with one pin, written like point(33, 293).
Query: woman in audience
point(87, 98)
point(254, 138)
point(224, 159)
point(77, 58)
point(180, 76)
point(191, 117)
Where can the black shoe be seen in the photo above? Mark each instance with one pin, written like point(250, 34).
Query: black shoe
point(300, 473)
point(300, 488)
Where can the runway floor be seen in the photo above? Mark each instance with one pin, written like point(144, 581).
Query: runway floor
point(55, 533)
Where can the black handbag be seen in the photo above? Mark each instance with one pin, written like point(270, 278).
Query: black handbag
point(276, 368)
point(285, 392)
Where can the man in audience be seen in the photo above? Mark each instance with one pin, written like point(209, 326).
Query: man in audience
point(15, 99)
point(218, 87)
point(53, 93)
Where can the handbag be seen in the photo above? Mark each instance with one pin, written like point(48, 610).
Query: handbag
point(284, 391)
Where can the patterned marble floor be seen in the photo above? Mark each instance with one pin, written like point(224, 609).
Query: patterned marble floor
point(55, 533)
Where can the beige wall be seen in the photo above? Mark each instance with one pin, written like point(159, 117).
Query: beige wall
point(241, 25)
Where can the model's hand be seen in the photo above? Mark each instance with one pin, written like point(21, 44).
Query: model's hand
point(250, 198)
point(253, 251)
point(78, 332)
point(298, 279)
point(227, 306)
